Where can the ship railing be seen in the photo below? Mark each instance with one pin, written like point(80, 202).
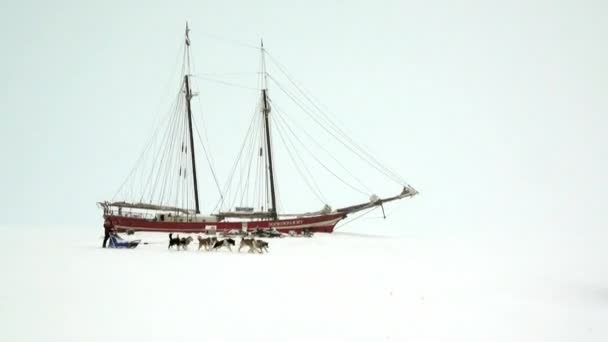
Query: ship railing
point(125, 213)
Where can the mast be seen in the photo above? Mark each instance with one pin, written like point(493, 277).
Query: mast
point(189, 112)
point(265, 112)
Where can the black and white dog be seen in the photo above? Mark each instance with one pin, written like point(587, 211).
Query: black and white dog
point(224, 243)
point(179, 242)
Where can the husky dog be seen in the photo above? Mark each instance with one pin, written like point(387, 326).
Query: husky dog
point(261, 245)
point(173, 241)
point(224, 243)
point(179, 242)
point(204, 242)
point(208, 242)
point(184, 242)
point(245, 242)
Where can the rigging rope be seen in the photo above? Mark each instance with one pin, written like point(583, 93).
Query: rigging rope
point(285, 117)
point(147, 146)
point(323, 165)
point(225, 83)
point(217, 184)
point(316, 191)
point(355, 218)
point(324, 127)
point(150, 140)
point(389, 173)
point(167, 136)
point(228, 40)
point(229, 180)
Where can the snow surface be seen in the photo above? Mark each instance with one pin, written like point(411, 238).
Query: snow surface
point(59, 285)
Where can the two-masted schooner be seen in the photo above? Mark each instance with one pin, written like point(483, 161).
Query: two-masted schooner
point(185, 216)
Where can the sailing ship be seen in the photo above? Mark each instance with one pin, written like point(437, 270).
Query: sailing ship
point(157, 215)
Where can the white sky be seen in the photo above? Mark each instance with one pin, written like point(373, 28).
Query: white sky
point(495, 111)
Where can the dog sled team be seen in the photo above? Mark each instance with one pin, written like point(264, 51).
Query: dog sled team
point(250, 242)
point(213, 243)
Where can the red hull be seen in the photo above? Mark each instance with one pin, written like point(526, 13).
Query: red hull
point(320, 224)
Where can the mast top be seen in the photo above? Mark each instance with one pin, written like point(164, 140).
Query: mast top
point(187, 34)
point(264, 73)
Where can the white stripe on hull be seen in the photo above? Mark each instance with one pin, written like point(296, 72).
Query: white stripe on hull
point(193, 230)
point(310, 225)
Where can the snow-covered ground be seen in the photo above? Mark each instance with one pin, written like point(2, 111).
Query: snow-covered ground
point(59, 285)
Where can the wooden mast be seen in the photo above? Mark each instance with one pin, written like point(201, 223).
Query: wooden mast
point(265, 112)
point(189, 112)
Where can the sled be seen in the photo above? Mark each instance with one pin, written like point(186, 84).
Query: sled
point(118, 242)
point(268, 233)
